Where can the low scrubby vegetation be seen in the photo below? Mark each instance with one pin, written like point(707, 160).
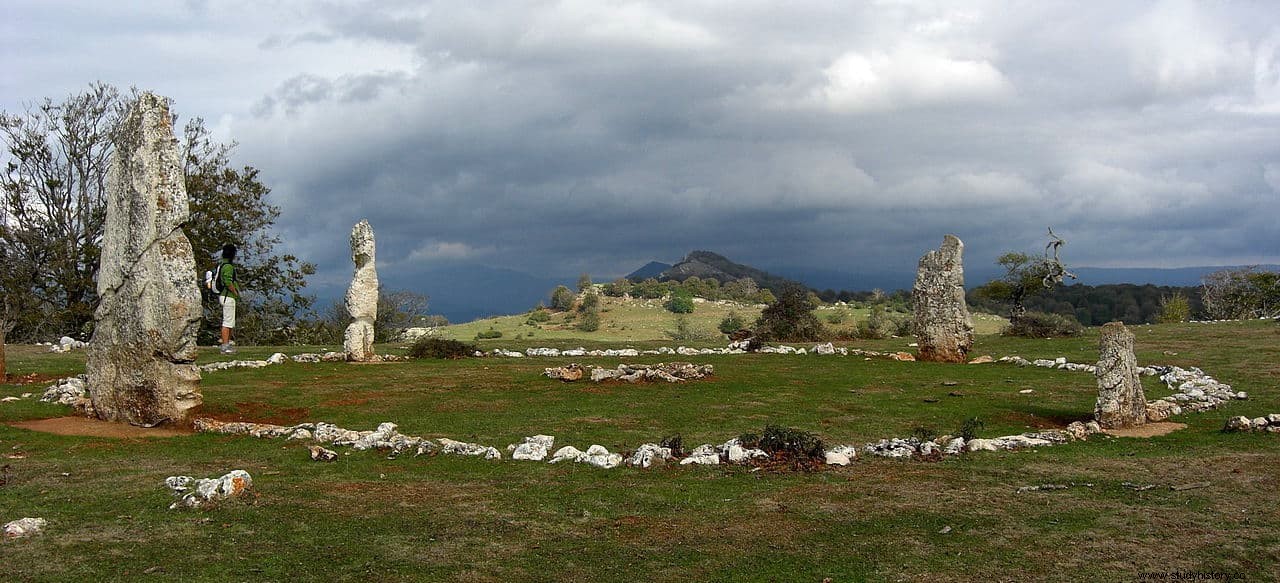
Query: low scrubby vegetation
point(1042, 325)
point(427, 347)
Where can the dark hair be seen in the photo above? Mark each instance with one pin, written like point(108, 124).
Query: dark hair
point(228, 251)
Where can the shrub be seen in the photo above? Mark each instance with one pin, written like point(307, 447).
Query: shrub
point(731, 323)
point(969, 429)
point(488, 334)
point(590, 301)
point(790, 318)
point(538, 316)
point(562, 298)
point(775, 439)
point(880, 324)
point(837, 317)
point(923, 433)
point(1044, 325)
point(675, 442)
point(1174, 308)
point(584, 282)
point(680, 303)
point(589, 322)
point(617, 288)
point(686, 332)
point(428, 347)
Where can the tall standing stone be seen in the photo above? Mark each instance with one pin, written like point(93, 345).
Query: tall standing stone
point(141, 358)
point(1121, 402)
point(362, 296)
point(944, 330)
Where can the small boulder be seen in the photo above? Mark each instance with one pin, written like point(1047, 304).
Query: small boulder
point(1239, 423)
point(984, 359)
point(320, 454)
point(24, 527)
point(982, 445)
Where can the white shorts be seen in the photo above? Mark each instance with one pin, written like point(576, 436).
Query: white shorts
point(228, 311)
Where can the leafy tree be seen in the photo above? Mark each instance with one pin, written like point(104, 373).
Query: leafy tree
point(1025, 275)
point(1174, 308)
point(617, 288)
point(590, 301)
point(562, 298)
point(790, 318)
point(680, 302)
point(590, 321)
point(742, 290)
point(584, 283)
point(230, 206)
point(54, 198)
point(650, 289)
point(731, 323)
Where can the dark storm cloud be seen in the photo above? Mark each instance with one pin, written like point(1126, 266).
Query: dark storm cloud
point(561, 137)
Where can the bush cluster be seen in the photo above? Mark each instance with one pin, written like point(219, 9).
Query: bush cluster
point(427, 347)
point(1043, 325)
point(488, 334)
point(776, 439)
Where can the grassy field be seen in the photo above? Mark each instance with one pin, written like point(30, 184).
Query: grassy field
point(462, 519)
point(636, 320)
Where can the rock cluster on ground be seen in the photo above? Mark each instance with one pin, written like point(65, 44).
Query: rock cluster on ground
point(672, 372)
point(942, 324)
point(194, 493)
point(24, 527)
point(1269, 423)
point(67, 344)
point(1121, 401)
point(141, 358)
point(362, 296)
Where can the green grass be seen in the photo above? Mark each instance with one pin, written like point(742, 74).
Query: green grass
point(639, 320)
point(460, 519)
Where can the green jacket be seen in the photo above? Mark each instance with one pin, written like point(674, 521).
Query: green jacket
point(228, 276)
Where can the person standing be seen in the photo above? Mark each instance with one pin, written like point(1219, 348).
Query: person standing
point(228, 295)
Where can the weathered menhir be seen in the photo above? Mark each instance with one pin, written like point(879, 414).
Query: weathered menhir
point(943, 327)
point(141, 359)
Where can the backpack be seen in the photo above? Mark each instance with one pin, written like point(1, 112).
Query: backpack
point(213, 279)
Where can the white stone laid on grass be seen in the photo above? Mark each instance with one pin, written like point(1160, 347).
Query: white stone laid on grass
point(194, 493)
point(1269, 423)
point(647, 454)
point(24, 527)
point(534, 448)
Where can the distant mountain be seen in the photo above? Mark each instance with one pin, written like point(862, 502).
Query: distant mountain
point(708, 265)
point(650, 269)
point(1179, 276)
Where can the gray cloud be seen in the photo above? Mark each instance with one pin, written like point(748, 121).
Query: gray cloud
point(577, 136)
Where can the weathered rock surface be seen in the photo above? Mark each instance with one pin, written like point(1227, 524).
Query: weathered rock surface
point(943, 327)
point(362, 296)
point(649, 454)
point(567, 373)
point(140, 360)
point(1121, 402)
point(534, 448)
point(195, 493)
point(24, 527)
point(321, 454)
point(68, 391)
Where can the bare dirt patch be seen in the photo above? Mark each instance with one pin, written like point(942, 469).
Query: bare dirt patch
point(27, 379)
point(255, 412)
point(1148, 430)
point(85, 427)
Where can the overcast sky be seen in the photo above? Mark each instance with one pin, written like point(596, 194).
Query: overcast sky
point(561, 137)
